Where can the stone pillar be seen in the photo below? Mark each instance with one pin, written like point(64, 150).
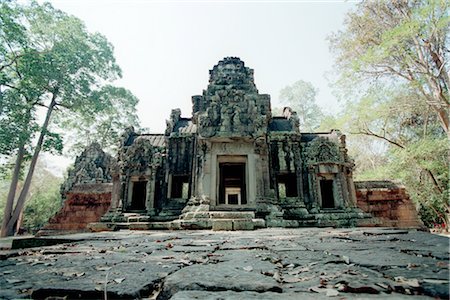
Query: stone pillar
point(150, 197)
point(116, 192)
point(351, 189)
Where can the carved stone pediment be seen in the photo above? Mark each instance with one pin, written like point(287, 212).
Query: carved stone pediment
point(140, 156)
point(231, 105)
point(322, 150)
point(93, 165)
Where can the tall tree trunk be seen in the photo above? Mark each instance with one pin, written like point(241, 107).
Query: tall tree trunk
point(12, 192)
point(26, 186)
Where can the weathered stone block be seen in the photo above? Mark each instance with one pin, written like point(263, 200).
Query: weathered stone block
point(232, 214)
point(222, 224)
point(195, 215)
point(196, 224)
point(243, 224)
point(259, 223)
point(97, 227)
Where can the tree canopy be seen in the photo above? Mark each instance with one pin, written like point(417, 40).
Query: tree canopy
point(406, 41)
point(301, 97)
point(392, 67)
point(51, 65)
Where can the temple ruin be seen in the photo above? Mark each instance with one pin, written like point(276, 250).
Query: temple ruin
point(231, 165)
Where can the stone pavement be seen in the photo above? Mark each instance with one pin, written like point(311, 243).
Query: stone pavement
point(307, 263)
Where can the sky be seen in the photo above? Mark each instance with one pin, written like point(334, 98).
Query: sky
point(166, 48)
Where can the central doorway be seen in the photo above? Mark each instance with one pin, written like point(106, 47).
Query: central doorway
point(326, 189)
point(232, 185)
point(139, 195)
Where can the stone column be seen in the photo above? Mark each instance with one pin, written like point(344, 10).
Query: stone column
point(150, 197)
point(115, 193)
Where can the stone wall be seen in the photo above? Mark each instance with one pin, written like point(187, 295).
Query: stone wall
point(84, 204)
point(389, 202)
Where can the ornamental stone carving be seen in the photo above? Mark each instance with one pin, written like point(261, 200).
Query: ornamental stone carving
point(93, 165)
point(323, 150)
point(231, 105)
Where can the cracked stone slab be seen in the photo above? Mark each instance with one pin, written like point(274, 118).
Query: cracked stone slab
point(218, 277)
point(270, 263)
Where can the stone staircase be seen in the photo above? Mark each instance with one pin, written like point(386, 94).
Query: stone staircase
point(215, 220)
point(220, 220)
point(171, 211)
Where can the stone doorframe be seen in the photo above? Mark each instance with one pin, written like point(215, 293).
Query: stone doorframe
point(328, 172)
point(149, 194)
point(250, 181)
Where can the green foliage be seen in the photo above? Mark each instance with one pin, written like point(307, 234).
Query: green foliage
point(401, 42)
point(118, 111)
point(392, 67)
point(301, 97)
point(49, 58)
point(393, 135)
point(44, 199)
point(50, 63)
point(43, 203)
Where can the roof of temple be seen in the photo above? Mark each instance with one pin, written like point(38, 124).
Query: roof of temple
point(280, 124)
point(309, 136)
point(157, 140)
point(185, 125)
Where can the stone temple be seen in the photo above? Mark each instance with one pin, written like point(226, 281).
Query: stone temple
point(232, 159)
point(231, 165)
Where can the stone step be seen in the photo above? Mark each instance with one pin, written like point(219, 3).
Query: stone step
point(237, 224)
point(232, 214)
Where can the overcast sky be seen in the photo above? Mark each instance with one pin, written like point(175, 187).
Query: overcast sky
point(166, 48)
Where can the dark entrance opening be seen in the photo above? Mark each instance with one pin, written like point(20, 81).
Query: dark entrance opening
point(180, 187)
point(232, 188)
point(287, 185)
point(139, 195)
point(326, 190)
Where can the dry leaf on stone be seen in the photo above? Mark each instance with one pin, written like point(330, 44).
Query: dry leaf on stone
point(382, 285)
point(277, 276)
point(346, 259)
point(299, 270)
point(317, 289)
point(411, 282)
point(291, 280)
point(185, 262)
point(435, 281)
point(119, 280)
point(331, 292)
point(14, 280)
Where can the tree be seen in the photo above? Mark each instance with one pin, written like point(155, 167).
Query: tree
point(391, 59)
point(44, 198)
point(406, 41)
point(301, 97)
point(107, 127)
point(55, 66)
point(395, 135)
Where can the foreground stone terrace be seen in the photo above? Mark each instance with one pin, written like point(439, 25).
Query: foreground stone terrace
point(309, 263)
